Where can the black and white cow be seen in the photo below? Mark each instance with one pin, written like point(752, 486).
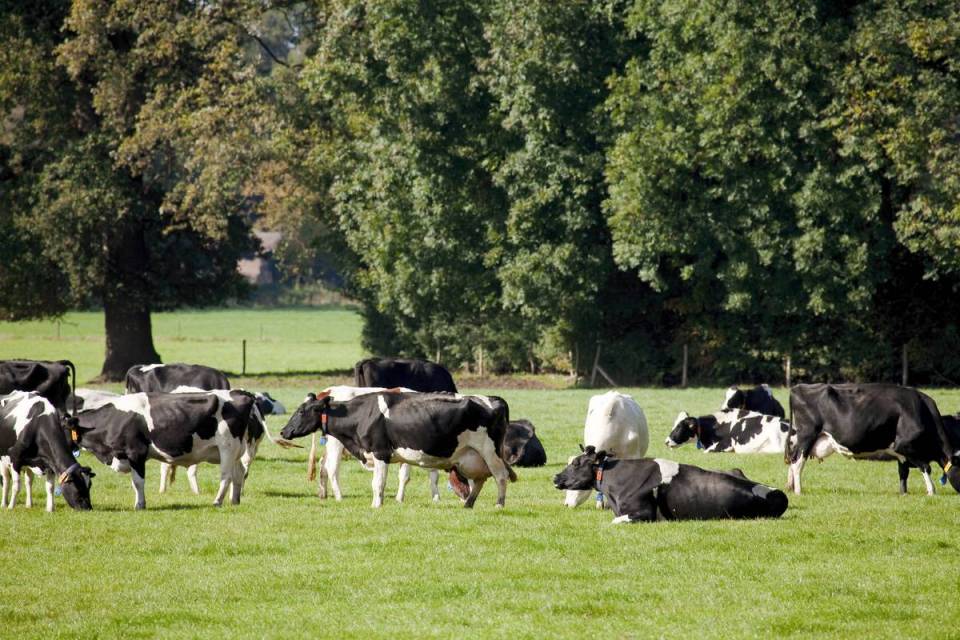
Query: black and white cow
point(868, 421)
point(31, 436)
point(156, 378)
point(644, 489)
point(222, 427)
point(49, 379)
point(759, 399)
point(87, 399)
point(736, 431)
point(426, 429)
point(419, 375)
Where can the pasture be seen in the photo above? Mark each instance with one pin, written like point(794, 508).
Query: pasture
point(849, 558)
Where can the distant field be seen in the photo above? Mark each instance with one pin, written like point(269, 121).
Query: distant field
point(850, 558)
point(278, 341)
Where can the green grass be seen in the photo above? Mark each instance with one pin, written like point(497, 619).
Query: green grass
point(278, 341)
point(850, 558)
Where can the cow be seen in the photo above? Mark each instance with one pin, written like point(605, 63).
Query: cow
point(31, 437)
point(430, 430)
point(419, 375)
point(521, 448)
point(645, 490)
point(50, 379)
point(155, 378)
point(738, 431)
point(759, 399)
point(615, 423)
point(220, 426)
point(868, 421)
point(87, 399)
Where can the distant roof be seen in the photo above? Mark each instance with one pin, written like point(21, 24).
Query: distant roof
point(269, 239)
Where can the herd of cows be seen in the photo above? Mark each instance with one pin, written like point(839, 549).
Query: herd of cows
point(410, 412)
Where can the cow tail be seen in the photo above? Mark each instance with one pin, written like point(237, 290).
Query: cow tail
point(173, 473)
point(73, 387)
point(786, 446)
point(312, 458)
point(280, 442)
point(358, 374)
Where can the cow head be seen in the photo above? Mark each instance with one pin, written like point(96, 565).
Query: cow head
point(515, 442)
point(684, 428)
point(75, 485)
point(307, 418)
point(735, 399)
point(579, 476)
point(953, 473)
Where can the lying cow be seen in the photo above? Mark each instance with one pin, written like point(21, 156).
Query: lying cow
point(419, 375)
point(615, 423)
point(736, 431)
point(49, 379)
point(759, 399)
point(221, 427)
point(644, 490)
point(427, 429)
point(868, 421)
point(521, 448)
point(31, 437)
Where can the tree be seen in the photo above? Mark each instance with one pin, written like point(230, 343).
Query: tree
point(132, 131)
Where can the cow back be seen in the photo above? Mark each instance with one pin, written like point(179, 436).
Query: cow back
point(419, 375)
point(50, 379)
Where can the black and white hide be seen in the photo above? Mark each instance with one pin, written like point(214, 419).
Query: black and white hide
point(736, 431)
point(645, 489)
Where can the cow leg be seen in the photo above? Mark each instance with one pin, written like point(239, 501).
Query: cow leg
point(379, 482)
point(793, 474)
point(48, 485)
point(925, 470)
point(28, 487)
point(237, 484)
point(475, 486)
point(14, 488)
point(4, 482)
point(500, 474)
point(165, 476)
point(138, 473)
point(903, 470)
point(434, 484)
point(403, 478)
point(334, 453)
point(192, 479)
point(226, 478)
point(322, 477)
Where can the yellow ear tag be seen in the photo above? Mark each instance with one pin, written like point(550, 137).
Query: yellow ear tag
point(73, 434)
point(948, 467)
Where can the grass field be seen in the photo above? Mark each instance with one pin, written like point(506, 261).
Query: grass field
point(850, 558)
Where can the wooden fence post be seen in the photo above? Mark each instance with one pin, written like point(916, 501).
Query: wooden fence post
point(905, 363)
point(596, 362)
point(683, 374)
point(243, 368)
point(788, 371)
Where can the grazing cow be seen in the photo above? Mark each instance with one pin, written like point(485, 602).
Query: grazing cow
point(267, 405)
point(419, 375)
point(49, 379)
point(427, 429)
point(31, 437)
point(521, 448)
point(615, 423)
point(868, 421)
point(738, 431)
point(759, 399)
point(222, 427)
point(156, 378)
point(645, 490)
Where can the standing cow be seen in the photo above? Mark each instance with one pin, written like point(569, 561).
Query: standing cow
point(759, 399)
point(615, 423)
point(427, 429)
point(735, 431)
point(222, 427)
point(49, 379)
point(645, 490)
point(868, 421)
point(31, 436)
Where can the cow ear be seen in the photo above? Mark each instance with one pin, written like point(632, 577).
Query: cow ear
point(310, 397)
point(88, 471)
point(602, 455)
point(590, 450)
point(581, 447)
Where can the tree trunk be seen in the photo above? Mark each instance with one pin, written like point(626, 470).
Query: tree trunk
point(129, 339)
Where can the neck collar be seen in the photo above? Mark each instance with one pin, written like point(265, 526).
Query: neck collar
point(598, 475)
point(66, 474)
point(324, 420)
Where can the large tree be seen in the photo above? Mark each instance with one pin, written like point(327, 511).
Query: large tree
point(131, 132)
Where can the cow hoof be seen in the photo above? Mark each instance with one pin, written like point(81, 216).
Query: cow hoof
point(498, 506)
point(436, 498)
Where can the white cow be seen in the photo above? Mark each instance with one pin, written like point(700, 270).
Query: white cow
point(616, 424)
